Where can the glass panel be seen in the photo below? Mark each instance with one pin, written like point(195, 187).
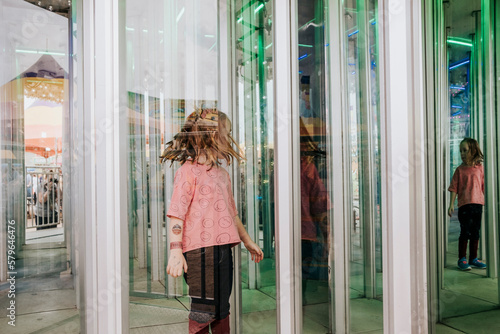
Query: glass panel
point(254, 102)
point(467, 292)
point(35, 236)
point(177, 62)
point(365, 259)
point(316, 203)
point(173, 69)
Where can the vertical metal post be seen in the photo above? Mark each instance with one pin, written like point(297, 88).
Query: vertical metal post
point(265, 159)
point(77, 147)
point(478, 49)
point(155, 195)
point(446, 128)
point(480, 99)
point(489, 232)
point(105, 238)
point(251, 108)
point(440, 118)
point(431, 27)
point(367, 172)
point(404, 254)
point(141, 192)
point(340, 160)
point(288, 279)
point(67, 146)
point(228, 50)
point(473, 86)
point(496, 71)
point(173, 286)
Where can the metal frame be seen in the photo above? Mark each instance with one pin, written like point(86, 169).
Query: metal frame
point(102, 108)
point(403, 165)
point(232, 87)
point(496, 46)
point(428, 19)
point(339, 279)
point(295, 164)
point(368, 178)
point(478, 116)
point(490, 230)
point(287, 278)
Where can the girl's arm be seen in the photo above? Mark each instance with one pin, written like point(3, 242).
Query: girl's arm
point(253, 248)
point(176, 260)
point(452, 203)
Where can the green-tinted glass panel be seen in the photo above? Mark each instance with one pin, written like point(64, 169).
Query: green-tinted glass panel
point(253, 45)
point(467, 294)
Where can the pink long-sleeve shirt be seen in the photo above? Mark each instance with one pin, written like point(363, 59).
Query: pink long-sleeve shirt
point(468, 183)
point(314, 199)
point(203, 199)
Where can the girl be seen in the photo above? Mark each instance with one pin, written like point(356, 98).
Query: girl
point(468, 183)
point(204, 223)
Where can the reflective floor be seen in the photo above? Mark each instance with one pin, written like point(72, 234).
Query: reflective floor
point(464, 291)
point(47, 303)
point(45, 295)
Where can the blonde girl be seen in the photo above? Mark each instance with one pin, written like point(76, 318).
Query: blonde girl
point(204, 223)
point(468, 184)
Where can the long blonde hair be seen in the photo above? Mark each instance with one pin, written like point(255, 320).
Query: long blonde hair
point(206, 133)
point(475, 156)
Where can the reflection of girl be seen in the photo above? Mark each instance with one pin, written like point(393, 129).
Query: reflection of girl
point(204, 223)
point(468, 184)
point(315, 204)
point(47, 206)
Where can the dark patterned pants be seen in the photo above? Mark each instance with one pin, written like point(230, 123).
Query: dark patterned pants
point(210, 280)
point(469, 216)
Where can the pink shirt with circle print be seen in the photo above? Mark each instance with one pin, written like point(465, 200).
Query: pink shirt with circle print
point(468, 183)
point(203, 199)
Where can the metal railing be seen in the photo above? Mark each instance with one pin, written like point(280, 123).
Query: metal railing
point(44, 187)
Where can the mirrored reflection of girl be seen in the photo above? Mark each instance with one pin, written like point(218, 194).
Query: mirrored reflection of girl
point(468, 184)
point(204, 222)
point(315, 204)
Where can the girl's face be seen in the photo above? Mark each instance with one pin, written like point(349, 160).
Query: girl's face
point(464, 151)
point(225, 130)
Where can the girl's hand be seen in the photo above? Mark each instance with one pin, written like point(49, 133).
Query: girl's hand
point(255, 251)
point(176, 262)
point(450, 210)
